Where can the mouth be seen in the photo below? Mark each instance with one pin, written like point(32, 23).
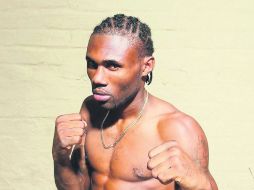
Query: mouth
point(100, 96)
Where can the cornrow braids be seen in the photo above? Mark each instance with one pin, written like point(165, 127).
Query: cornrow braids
point(124, 25)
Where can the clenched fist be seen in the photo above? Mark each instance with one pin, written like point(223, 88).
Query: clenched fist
point(168, 163)
point(70, 130)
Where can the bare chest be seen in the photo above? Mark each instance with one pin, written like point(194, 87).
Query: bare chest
point(127, 161)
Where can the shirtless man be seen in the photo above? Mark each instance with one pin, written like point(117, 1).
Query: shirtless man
point(125, 138)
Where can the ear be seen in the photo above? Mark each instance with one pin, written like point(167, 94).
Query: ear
point(148, 65)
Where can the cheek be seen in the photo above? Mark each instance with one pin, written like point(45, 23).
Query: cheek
point(126, 81)
point(89, 74)
point(126, 87)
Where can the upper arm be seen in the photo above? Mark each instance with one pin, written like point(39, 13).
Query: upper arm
point(189, 135)
point(191, 139)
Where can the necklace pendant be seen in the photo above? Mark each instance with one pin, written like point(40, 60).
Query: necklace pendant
point(108, 146)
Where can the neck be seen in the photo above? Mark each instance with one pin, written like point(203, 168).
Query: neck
point(132, 124)
point(131, 108)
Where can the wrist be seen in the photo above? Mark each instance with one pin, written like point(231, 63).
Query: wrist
point(61, 156)
point(203, 183)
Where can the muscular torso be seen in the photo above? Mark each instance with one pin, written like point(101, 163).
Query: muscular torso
point(124, 167)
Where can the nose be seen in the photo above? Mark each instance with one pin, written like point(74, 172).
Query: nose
point(99, 79)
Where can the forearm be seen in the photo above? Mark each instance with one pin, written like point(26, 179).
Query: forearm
point(71, 174)
point(67, 179)
point(203, 182)
point(209, 183)
point(68, 153)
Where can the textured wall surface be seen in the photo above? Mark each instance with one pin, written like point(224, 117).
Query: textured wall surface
point(205, 64)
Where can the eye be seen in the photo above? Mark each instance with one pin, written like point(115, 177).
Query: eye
point(91, 64)
point(112, 66)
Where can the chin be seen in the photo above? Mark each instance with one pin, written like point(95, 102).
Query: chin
point(107, 105)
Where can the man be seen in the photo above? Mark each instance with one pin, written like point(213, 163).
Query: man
point(124, 138)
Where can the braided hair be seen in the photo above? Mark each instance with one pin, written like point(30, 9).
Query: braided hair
point(124, 25)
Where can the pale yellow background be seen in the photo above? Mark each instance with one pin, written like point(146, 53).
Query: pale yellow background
point(205, 64)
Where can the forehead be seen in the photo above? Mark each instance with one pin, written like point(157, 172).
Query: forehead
point(113, 47)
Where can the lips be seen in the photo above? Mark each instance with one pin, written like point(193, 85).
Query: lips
point(101, 97)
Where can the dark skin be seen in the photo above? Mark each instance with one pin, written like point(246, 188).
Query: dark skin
point(165, 150)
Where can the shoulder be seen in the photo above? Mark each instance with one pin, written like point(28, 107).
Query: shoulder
point(181, 127)
point(170, 120)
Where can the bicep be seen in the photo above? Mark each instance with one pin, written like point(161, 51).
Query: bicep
point(190, 137)
point(195, 143)
point(192, 140)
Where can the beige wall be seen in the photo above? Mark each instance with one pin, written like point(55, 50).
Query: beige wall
point(205, 64)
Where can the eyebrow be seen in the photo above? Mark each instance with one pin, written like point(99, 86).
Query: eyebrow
point(89, 59)
point(106, 61)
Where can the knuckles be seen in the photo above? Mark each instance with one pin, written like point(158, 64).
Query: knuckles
point(174, 160)
point(175, 150)
point(178, 162)
point(150, 154)
point(58, 119)
point(60, 133)
point(150, 164)
point(62, 143)
point(163, 178)
point(155, 173)
point(170, 144)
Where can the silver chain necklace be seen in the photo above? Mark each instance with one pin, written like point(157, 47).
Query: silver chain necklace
point(132, 124)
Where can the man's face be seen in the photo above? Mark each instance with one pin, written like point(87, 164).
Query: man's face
point(114, 69)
